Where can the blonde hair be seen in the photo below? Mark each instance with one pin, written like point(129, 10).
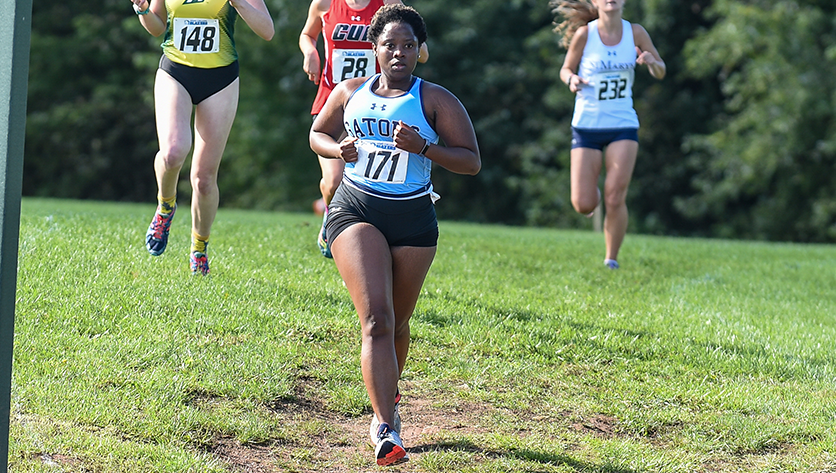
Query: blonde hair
point(575, 13)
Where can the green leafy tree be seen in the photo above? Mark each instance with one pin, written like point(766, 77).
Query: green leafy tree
point(764, 171)
point(89, 123)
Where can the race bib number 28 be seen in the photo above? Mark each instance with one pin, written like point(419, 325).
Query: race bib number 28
point(350, 63)
point(196, 35)
point(381, 162)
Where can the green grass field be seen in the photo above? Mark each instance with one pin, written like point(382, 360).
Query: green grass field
point(528, 355)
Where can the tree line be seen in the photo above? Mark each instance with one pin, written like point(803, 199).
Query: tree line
point(736, 142)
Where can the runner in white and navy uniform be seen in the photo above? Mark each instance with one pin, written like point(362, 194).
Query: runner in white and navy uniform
point(382, 228)
point(607, 103)
point(603, 51)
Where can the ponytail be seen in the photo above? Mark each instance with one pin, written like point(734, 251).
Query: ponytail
point(575, 13)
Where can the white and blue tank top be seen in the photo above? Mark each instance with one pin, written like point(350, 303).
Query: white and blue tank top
point(382, 170)
point(607, 102)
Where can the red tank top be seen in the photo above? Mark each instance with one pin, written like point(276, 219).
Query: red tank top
point(348, 52)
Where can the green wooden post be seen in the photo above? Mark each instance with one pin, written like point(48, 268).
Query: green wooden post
point(15, 28)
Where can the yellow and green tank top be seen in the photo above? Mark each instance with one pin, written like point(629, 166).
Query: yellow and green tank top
point(200, 33)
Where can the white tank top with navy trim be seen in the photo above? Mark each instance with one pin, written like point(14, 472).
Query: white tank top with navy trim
point(607, 102)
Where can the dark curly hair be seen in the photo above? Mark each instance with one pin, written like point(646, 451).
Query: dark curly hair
point(397, 13)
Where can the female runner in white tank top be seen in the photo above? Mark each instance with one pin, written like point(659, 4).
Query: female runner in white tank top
point(603, 50)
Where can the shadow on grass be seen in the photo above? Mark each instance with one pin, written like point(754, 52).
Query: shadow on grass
point(519, 454)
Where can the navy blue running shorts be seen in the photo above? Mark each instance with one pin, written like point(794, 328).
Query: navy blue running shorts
point(200, 83)
point(402, 222)
point(599, 138)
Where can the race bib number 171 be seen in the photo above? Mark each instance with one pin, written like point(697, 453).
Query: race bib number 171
point(381, 162)
point(196, 35)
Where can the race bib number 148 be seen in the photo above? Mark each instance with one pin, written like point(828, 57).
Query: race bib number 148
point(196, 35)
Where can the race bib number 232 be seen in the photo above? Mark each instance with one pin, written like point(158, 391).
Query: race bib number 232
point(613, 85)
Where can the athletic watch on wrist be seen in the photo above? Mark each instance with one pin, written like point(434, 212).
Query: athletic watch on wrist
point(425, 148)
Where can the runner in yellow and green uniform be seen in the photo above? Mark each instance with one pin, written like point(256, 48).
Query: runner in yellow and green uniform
point(198, 72)
point(200, 33)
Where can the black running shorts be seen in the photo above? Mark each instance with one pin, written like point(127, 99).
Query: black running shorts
point(200, 83)
point(403, 222)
